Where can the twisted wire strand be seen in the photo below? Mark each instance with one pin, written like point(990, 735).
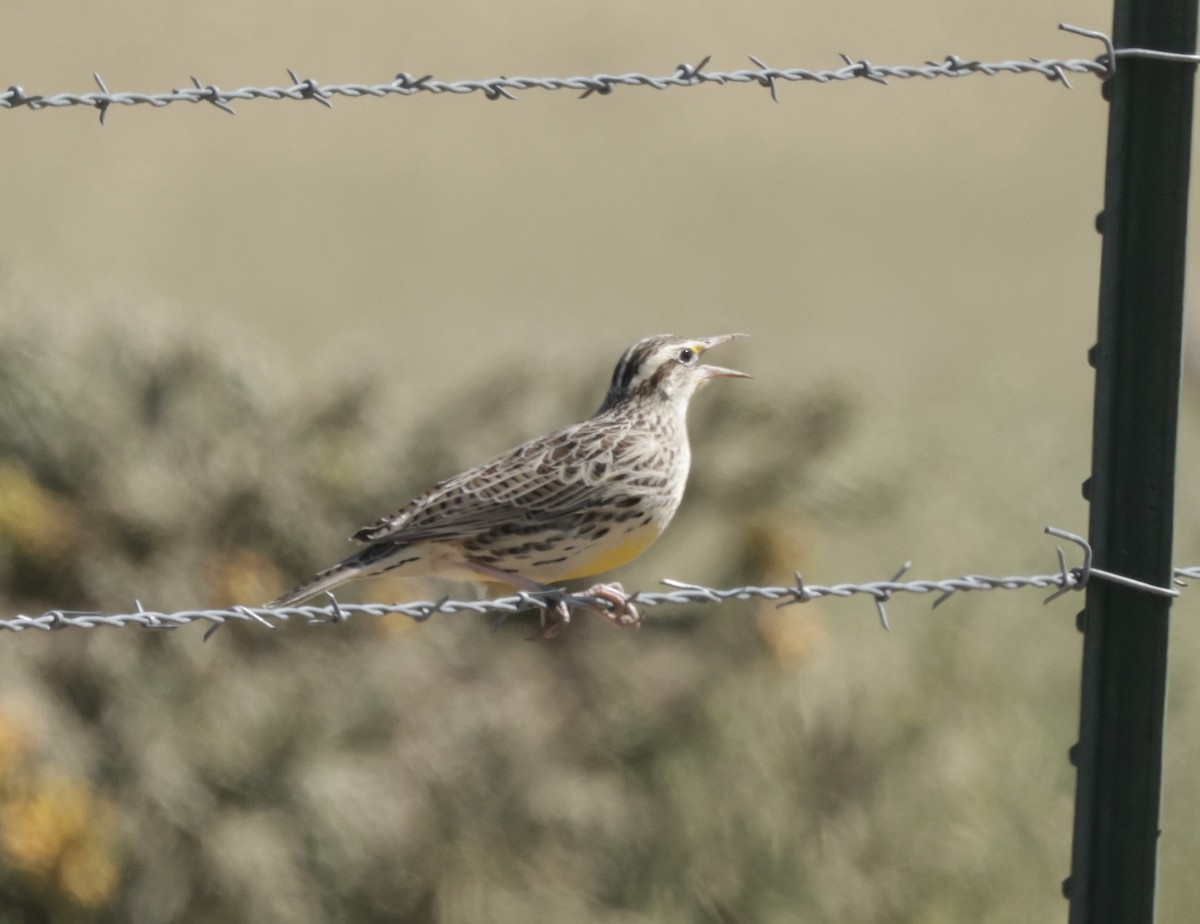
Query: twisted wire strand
point(1063, 580)
point(685, 75)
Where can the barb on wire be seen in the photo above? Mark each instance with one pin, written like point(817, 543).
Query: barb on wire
point(684, 75)
point(1064, 579)
point(1192, 573)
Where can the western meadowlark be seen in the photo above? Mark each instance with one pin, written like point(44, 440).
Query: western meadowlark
point(574, 503)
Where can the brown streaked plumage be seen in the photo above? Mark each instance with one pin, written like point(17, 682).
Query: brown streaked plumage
point(577, 502)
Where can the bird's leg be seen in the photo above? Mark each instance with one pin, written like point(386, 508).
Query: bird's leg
point(558, 614)
point(623, 613)
point(553, 617)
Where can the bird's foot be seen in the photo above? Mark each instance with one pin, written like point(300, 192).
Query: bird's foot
point(554, 617)
point(622, 613)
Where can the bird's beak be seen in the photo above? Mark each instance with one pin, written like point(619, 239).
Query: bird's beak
point(718, 372)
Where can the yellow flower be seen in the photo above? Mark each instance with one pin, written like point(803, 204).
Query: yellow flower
point(34, 520)
point(59, 832)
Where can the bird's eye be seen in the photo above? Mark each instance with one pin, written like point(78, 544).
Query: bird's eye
point(686, 355)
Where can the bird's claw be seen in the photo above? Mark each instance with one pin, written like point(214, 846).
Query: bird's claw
point(620, 612)
point(554, 617)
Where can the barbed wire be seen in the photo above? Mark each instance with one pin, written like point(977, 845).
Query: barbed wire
point(1063, 580)
point(685, 75)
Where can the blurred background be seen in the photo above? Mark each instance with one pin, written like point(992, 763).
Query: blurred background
point(226, 342)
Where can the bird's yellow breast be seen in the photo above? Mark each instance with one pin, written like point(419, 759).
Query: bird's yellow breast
point(603, 557)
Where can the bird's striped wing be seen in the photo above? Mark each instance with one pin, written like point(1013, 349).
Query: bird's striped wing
point(555, 475)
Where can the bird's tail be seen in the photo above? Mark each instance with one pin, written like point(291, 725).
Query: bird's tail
point(330, 577)
point(374, 559)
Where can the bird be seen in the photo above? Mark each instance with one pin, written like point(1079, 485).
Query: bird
point(574, 503)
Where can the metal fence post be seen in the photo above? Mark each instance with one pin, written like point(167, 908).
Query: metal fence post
point(1137, 358)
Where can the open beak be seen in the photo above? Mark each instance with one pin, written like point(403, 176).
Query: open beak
point(718, 372)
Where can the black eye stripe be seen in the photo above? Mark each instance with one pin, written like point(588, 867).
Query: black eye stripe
point(645, 366)
point(629, 368)
point(632, 364)
point(660, 375)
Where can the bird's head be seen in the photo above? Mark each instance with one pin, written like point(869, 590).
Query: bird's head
point(665, 368)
